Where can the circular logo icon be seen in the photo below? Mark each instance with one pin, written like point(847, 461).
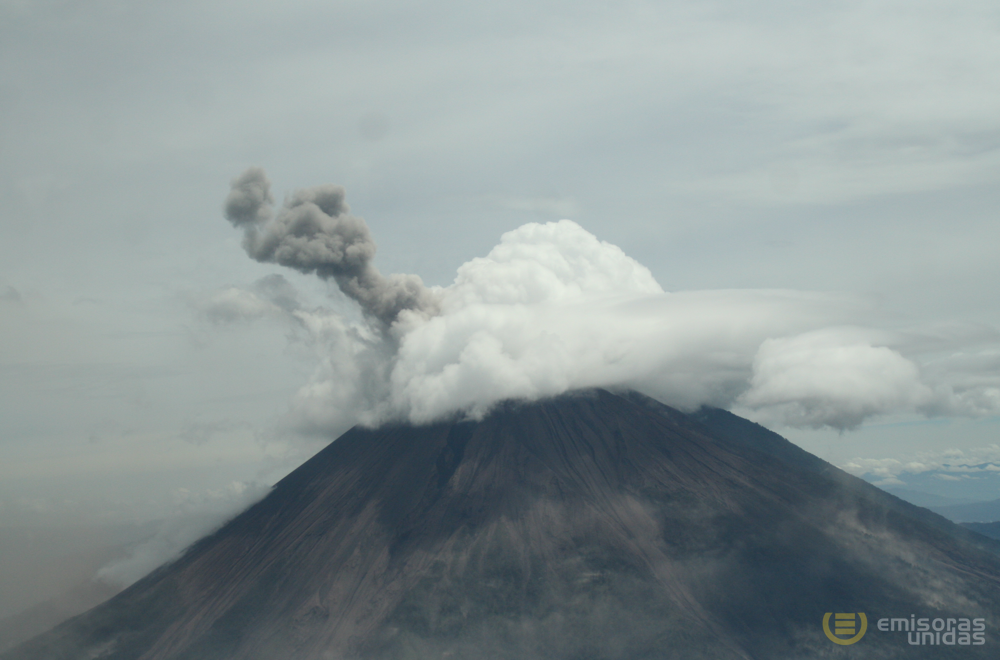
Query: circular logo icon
point(845, 629)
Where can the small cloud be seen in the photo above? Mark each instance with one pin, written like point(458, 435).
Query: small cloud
point(890, 481)
point(270, 296)
point(11, 295)
point(278, 291)
point(235, 305)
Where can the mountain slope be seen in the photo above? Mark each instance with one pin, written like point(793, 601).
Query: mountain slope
point(593, 525)
point(742, 435)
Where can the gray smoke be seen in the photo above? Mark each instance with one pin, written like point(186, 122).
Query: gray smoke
point(314, 232)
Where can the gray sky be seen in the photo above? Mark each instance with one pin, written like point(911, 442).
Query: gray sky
point(846, 148)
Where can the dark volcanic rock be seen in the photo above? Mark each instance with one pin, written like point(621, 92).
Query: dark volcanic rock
point(593, 525)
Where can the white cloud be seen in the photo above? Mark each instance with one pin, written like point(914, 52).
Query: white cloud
point(552, 308)
point(833, 377)
point(234, 304)
point(950, 462)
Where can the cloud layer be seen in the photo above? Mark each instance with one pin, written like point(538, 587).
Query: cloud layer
point(551, 308)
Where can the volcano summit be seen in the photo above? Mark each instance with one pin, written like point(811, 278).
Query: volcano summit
point(592, 525)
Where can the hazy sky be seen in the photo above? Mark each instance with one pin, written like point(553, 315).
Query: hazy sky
point(848, 151)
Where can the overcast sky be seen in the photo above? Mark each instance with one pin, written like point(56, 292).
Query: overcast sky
point(846, 149)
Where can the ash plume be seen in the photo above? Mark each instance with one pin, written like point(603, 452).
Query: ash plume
point(551, 308)
point(314, 232)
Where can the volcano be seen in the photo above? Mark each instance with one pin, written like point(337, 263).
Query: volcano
point(592, 525)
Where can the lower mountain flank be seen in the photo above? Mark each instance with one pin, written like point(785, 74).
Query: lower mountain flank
point(595, 525)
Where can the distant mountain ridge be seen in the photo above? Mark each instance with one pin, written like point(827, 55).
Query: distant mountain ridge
point(974, 512)
point(923, 499)
point(991, 529)
point(740, 432)
point(966, 484)
point(592, 525)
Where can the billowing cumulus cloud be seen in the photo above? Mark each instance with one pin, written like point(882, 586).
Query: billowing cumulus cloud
point(833, 377)
point(551, 309)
